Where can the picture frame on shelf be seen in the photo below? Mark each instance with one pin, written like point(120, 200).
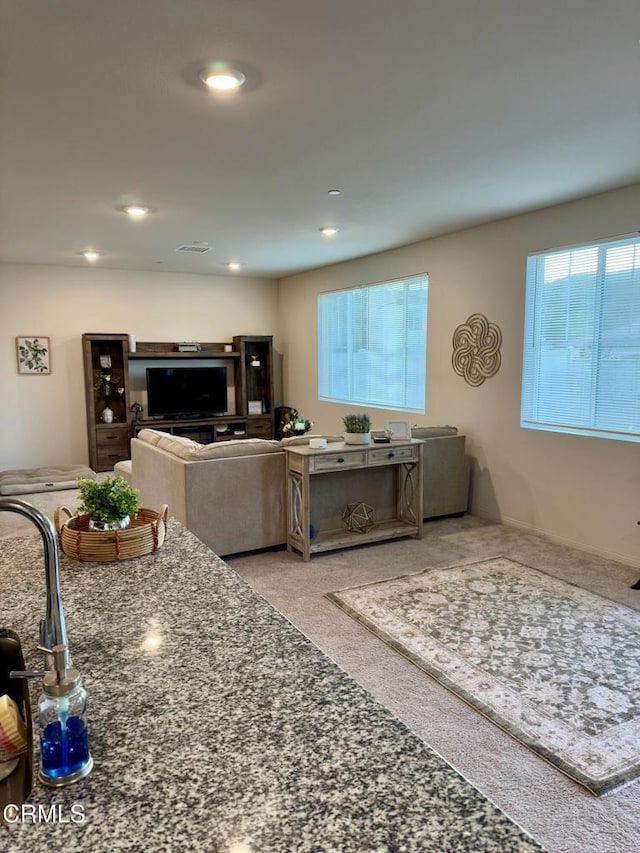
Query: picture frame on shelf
point(398, 430)
point(33, 353)
point(254, 407)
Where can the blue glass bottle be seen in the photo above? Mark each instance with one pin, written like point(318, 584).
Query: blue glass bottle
point(62, 714)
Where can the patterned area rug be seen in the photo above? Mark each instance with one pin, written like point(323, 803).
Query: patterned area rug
point(556, 666)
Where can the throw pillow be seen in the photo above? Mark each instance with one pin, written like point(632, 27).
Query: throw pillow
point(178, 445)
point(151, 436)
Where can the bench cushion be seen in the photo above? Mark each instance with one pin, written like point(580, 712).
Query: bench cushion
point(24, 481)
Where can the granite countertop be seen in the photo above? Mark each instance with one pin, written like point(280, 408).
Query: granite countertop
point(215, 725)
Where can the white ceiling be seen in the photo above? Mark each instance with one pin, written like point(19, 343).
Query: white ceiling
point(428, 115)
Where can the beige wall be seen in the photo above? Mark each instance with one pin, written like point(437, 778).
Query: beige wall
point(582, 491)
point(42, 418)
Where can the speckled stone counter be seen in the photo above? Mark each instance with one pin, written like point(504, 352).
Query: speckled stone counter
point(215, 725)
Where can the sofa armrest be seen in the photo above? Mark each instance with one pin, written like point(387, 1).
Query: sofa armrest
point(159, 477)
point(445, 476)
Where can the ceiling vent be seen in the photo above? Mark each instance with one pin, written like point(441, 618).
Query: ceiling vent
point(198, 248)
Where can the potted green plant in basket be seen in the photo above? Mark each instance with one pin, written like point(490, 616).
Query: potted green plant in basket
point(357, 428)
point(109, 504)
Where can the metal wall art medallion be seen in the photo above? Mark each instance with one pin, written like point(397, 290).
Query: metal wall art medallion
point(476, 349)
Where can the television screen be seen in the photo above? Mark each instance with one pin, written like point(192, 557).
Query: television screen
point(186, 392)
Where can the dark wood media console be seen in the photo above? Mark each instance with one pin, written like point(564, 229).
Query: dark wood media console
point(249, 357)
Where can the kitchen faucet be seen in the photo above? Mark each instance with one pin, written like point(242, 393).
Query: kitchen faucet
point(53, 631)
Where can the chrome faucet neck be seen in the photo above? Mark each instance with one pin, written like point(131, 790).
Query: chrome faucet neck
point(53, 631)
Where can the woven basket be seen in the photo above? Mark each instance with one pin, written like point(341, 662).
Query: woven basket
point(145, 534)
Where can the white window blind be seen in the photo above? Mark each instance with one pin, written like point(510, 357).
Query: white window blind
point(581, 370)
point(372, 345)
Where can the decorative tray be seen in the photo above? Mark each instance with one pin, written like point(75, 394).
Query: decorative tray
point(145, 534)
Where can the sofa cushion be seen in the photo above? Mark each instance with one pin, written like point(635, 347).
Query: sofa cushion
point(433, 432)
point(151, 436)
point(178, 445)
point(304, 439)
point(239, 447)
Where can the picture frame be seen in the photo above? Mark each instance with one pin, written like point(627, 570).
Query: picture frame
point(398, 430)
point(33, 353)
point(255, 407)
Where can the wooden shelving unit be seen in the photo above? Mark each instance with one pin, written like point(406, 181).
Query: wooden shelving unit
point(108, 443)
point(254, 383)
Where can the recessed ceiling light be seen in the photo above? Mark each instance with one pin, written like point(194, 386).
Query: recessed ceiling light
point(91, 255)
point(222, 77)
point(329, 231)
point(234, 266)
point(334, 192)
point(136, 211)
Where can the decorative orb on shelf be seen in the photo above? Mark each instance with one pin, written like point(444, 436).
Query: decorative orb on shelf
point(358, 517)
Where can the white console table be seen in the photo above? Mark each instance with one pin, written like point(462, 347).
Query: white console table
point(321, 483)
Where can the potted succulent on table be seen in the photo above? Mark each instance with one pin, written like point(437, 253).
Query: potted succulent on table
point(109, 504)
point(357, 428)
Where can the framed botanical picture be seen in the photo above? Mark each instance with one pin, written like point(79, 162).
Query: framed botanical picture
point(398, 429)
point(34, 355)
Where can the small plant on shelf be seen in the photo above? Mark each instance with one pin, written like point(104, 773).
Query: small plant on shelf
point(109, 504)
point(103, 383)
point(357, 423)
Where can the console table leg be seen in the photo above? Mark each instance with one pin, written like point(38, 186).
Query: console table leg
point(298, 524)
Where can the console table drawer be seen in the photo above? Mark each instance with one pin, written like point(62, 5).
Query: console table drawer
point(336, 461)
point(384, 455)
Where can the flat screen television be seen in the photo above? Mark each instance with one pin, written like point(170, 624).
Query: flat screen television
point(186, 392)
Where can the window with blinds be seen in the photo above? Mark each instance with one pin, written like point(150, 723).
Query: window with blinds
point(372, 345)
point(581, 370)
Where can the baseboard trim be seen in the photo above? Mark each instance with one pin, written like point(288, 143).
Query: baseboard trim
point(625, 559)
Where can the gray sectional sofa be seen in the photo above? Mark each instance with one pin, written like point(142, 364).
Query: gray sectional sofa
point(232, 494)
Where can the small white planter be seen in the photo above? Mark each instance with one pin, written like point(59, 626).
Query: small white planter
point(121, 524)
point(357, 438)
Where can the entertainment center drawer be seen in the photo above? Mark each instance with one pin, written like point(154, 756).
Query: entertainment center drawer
point(336, 461)
point(383, 455)
point(112, 445)
point(108, 458)
point(260, 428)
point(107, 436)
